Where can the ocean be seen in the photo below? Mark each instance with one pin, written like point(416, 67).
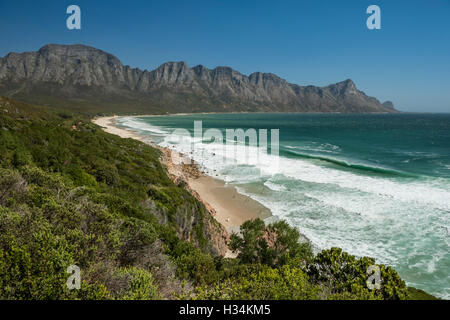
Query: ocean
point(375, 185)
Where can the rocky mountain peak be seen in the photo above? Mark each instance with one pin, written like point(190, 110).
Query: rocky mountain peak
point(389, 105)
point(75, 74)
point(77, 51)
point(344, 88)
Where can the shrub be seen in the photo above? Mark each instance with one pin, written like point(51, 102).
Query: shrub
point(32, 261)
point(198, 267)
point(285, 283)
point(10, 182)
point(344, 276)
point(275, 245)
point(138, 285)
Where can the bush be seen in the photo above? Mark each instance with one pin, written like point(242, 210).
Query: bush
point(342, 275)
point(285, 283)
point(11, 182)
point(198, 267)
point(138, 285)
point(33, 261)
point(275, 245)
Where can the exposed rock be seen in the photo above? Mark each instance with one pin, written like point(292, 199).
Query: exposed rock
point(180, 173)
point(389, 105)
point(80, 76)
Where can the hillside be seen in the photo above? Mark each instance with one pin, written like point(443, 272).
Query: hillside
point(88, 79)
point(71, 194)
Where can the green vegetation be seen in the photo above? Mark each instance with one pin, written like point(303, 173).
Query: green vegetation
point(76, 195)
point(417, 294)
point(342, 275)
point(71, 194)
point(275, 245)
point(273, 264)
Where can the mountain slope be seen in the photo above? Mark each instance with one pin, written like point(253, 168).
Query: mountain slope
point(81, 77)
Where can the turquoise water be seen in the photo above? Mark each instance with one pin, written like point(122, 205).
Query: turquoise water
point(375, 185)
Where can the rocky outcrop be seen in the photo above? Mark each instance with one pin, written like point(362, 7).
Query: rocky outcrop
point(79, 76)
point(192, 216)
point(388, 105)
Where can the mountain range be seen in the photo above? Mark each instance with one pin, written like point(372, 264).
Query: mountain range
point(89, 79)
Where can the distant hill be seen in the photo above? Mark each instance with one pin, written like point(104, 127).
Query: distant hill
point(88, 79)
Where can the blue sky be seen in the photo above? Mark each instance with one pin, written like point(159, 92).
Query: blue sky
point(306, 42)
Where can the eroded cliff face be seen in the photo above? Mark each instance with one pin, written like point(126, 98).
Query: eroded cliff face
point(205, 224)
point(196, 224)
point(78, 75)
point(192, 218)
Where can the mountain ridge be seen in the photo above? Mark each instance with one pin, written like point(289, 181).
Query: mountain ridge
point(81, 76)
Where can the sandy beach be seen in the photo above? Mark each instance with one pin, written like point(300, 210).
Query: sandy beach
point(229, 207)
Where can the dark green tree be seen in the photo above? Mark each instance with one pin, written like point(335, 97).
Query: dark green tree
point(342, 275)
point(274, 245)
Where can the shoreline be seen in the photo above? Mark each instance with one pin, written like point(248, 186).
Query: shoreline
point(228, 207)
